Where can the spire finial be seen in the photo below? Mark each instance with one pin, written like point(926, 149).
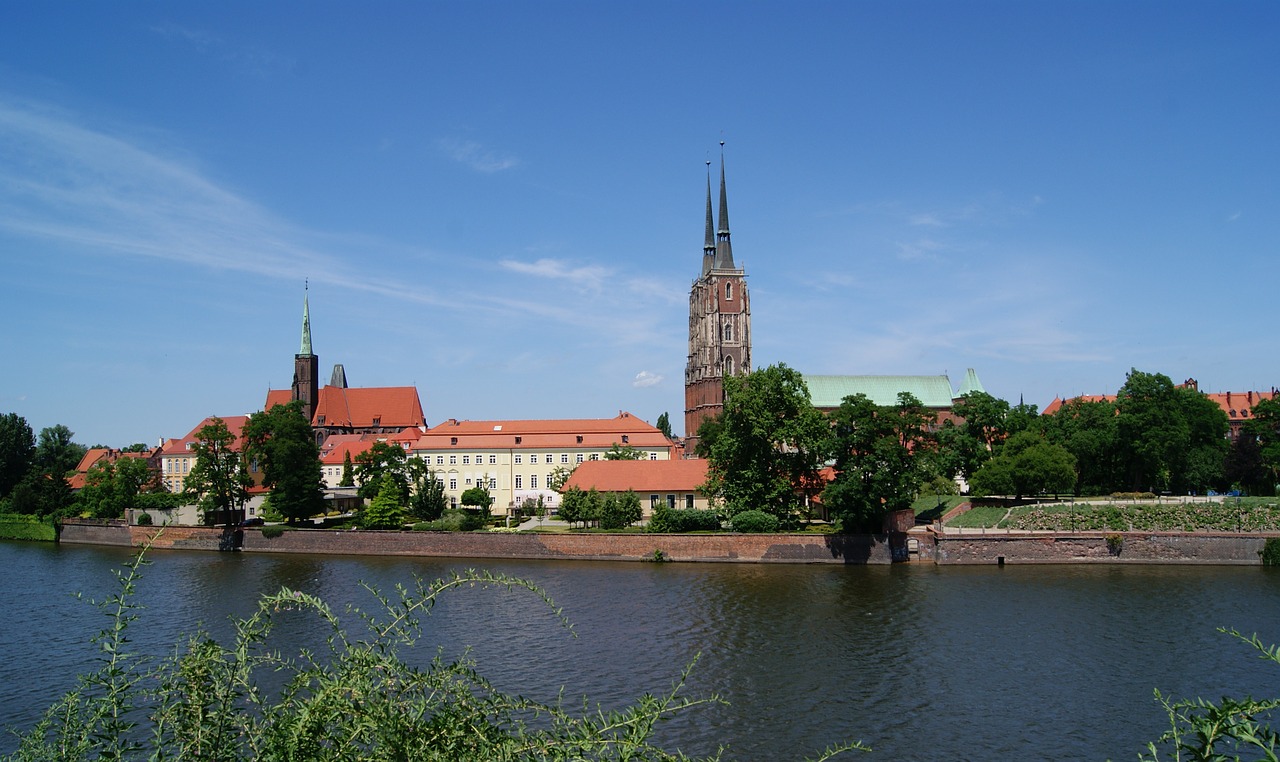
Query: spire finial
point(724, 250)
point(306, 319)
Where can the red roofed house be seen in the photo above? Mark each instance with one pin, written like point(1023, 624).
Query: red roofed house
point(674, 482)
point(97, 455)
point(515, 459)
point(336, 409)
point(1238, 406)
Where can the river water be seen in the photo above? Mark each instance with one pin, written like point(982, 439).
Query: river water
point(918, 661)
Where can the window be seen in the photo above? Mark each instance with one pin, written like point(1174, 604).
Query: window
point(595, 456)
point(688, 502)
point(728, 366)
point(453, 440)
point(653, 501)
point(518, 459)
point(577, 458)
point(519, 440)
point(533, 481)
point(493, 483)
point(439, 460)
point(453, 484)
point(377, 421)
point(671, 501)
point(466, 460)
point(493, 460)
point(653, 456)
point(728, 331)
point(579, 439)
point(564, 457)
point(728, 290)
point(626, 439)
point(319, 420)
point(519, 482)
point(453, 460)
point(468, 481)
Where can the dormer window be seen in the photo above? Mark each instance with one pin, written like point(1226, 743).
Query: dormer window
point(626, 439)
point(319, 420)
point(579, 439)
point(519, 440)
point(377, 420)
point(453, 440)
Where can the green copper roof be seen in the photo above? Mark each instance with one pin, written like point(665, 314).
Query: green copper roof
point(306, 328)
point(970, 383)
point(829, 391)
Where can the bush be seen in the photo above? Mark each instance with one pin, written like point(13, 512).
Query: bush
point(143, 520)
point(452, 521)
point(272, 530)
point(670, 520)
point(754, 521)
point(1271, 552)
point(17, 526)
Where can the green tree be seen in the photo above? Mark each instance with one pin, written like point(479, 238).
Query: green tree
point(17, 448)
point(113, 488)
point(1026, 464)
point(478, 497)
point(1264, 427)
point(771, 444)
point(1168, 437)
point(427, 501)
point(881, 459)
point(619, 510)
point(1244, 468)
point(219, 482)
point(573, 506)
point(282, 443)
point(57, 454)
point(558, 476)
point(624, 452)
point(1088, 429)
point(348, 475)
point(664, 425)
point(386, 510)
point(376, 462)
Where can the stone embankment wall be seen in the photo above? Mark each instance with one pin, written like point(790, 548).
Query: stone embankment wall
point(1133, 547)
point(928, 546)
point(616, 547)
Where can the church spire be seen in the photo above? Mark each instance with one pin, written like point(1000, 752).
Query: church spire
point(305, 351)
point(709, 245)
point(724, 249)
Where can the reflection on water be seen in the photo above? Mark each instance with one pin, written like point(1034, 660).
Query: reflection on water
point(918, 661)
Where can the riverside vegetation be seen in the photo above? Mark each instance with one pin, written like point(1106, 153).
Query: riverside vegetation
point(357, 699)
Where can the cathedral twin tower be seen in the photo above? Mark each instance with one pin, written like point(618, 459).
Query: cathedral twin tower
point(719, 321)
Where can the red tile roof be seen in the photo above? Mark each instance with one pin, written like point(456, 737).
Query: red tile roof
point(642, 476)
point(534, 434)
point(394, 407)
point(1237, 405)
point(235, 424)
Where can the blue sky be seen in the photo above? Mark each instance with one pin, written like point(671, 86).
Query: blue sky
point(503, 203)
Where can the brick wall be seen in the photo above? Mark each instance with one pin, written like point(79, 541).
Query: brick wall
point(1136, 547)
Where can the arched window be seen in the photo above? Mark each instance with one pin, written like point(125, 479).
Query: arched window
point(728, 290)
point(728, 366)
point(727, 332)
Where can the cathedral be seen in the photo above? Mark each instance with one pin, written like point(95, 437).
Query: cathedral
point(719, 321)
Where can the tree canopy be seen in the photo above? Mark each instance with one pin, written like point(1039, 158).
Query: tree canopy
point(280, 440)
point(770, 444)
point(218, 482)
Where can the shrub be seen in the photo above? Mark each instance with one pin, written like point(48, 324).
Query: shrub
point(1271, 552)
point(1115, 543)
point(143, 520)
point(670, 520)
point(452, 521)
point(754, 521)
point(272, 530)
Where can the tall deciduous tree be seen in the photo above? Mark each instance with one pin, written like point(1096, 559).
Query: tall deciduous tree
point(280, 440)
point(1169, 438)
point(1264, 427)
point(218, 482)
point(1026, 464)
point(771, 444)
point(664, 425)
point(113, 488)
point(1088, 429)
point(17, 447)
point(881, 459)
point(376, 462)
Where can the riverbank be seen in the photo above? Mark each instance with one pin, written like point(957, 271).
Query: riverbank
point(920, 545)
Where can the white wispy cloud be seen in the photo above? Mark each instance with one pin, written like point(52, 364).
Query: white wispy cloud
point(476, 155)
point(587, 277)
point(1234, 216)
point(645, 379)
